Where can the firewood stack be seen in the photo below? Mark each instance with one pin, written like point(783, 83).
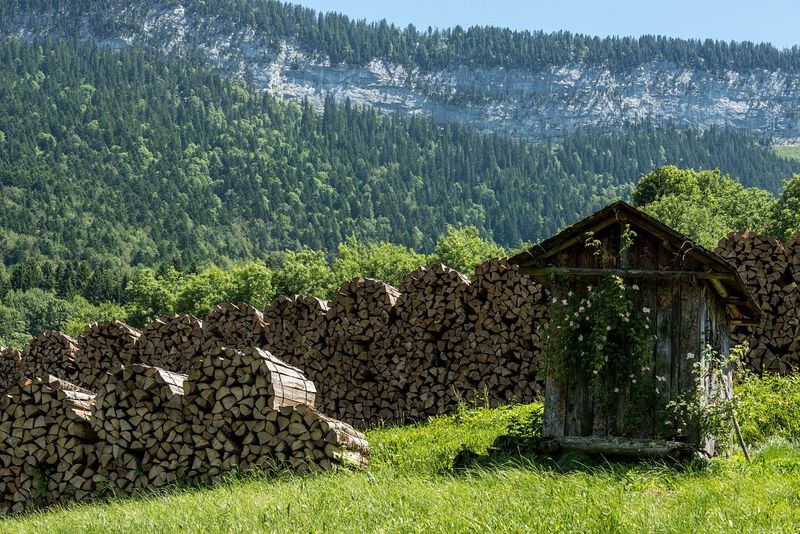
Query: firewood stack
point(51, 353)
point(295, 332)
point(48, 449)
point(354, 386)
point(232, 325)
point(105, 347)
point(173, 342)
point(765, 267)
point(432, 302)
point(10, 368)
point(235, 386)
point(302, 439)
point(509, 310)
point(139, 419)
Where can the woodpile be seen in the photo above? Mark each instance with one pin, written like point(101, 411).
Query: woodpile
point(300, 438)
point(356, 381)
point(48, 453)
point(768, 271)
point(174, 342)
point(233, 325)
point(138, 416)
point(295, 332)
point(235, 386)
point(51, 353)
point(10, 368)
point(104, 347)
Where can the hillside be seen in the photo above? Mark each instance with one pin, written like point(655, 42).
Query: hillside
point(131, 157)
point(413, 487)
point(525, 84)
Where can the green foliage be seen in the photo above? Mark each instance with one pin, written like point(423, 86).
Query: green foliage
point(150, 296)
point(381, 261)
point(40, 310)
point(304, 273)
point(464, 248)
point(600, 335)
point(251, 283)
point(357, 42)
point(83, 312)
point(769, 408)
point(791, 152)
point(199, 292)
point(704, 205)
point(150, 157)
point(786, 214)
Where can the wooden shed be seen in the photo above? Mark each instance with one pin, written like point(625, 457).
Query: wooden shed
point(685, 298)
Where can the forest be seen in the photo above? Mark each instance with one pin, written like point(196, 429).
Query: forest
point(357, 42)
point(126, 158)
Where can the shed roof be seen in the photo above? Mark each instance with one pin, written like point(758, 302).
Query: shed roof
point(723, 276)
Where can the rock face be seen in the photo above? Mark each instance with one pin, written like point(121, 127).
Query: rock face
point(522, 103)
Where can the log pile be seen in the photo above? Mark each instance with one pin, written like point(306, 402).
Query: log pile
point(138, 416)
point(174, 342)
point(48, 453)
point(295, 332)
point(10, 368)
point(356, 381)
point(235, 386)
point(766, 268)
point(51, 353)
point(232, 325)
point(104, 347)
point(510, 309)
point(302, 439)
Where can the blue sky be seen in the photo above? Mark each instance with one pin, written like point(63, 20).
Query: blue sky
point(775, 21)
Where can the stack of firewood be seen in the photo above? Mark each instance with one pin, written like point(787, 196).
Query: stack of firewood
point(232, 325)
point(302, 439)
point(139, 419)
point(10, 368)
point(510, 310)
point(51, 353)
point(766, 269)
point(173, 342)
point(433, 301)
point(355, 385)
point(295, 332)
point(104, 347)
point(235, 386)
point(47, 453)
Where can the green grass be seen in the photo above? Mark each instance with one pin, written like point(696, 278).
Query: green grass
point(792, 152)
point(411, 487)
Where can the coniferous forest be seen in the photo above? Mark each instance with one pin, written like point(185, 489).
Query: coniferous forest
point(129, 157)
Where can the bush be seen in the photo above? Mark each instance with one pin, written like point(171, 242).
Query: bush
point(769, 407)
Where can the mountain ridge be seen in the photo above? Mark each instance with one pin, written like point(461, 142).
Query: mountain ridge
point(526, 85)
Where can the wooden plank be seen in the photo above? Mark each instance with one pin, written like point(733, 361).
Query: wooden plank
point(626, 273)
point(554, 408)
point(624, 447)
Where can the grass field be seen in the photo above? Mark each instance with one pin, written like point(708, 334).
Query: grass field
point(788, 151)
point(412, 487)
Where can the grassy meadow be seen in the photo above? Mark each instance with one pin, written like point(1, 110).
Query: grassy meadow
point(412, 486)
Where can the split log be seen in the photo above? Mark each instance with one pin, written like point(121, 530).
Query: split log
point(235, 326)
point(173, 343)
point(51, 353)
point(105, 347)
point(11, 369)
point(48, 444)
point(235, 385)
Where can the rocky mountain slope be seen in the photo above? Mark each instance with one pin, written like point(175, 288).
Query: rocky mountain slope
point(532, 103)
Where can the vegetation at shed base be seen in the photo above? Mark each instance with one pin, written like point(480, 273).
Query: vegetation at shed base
point(412, 487)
